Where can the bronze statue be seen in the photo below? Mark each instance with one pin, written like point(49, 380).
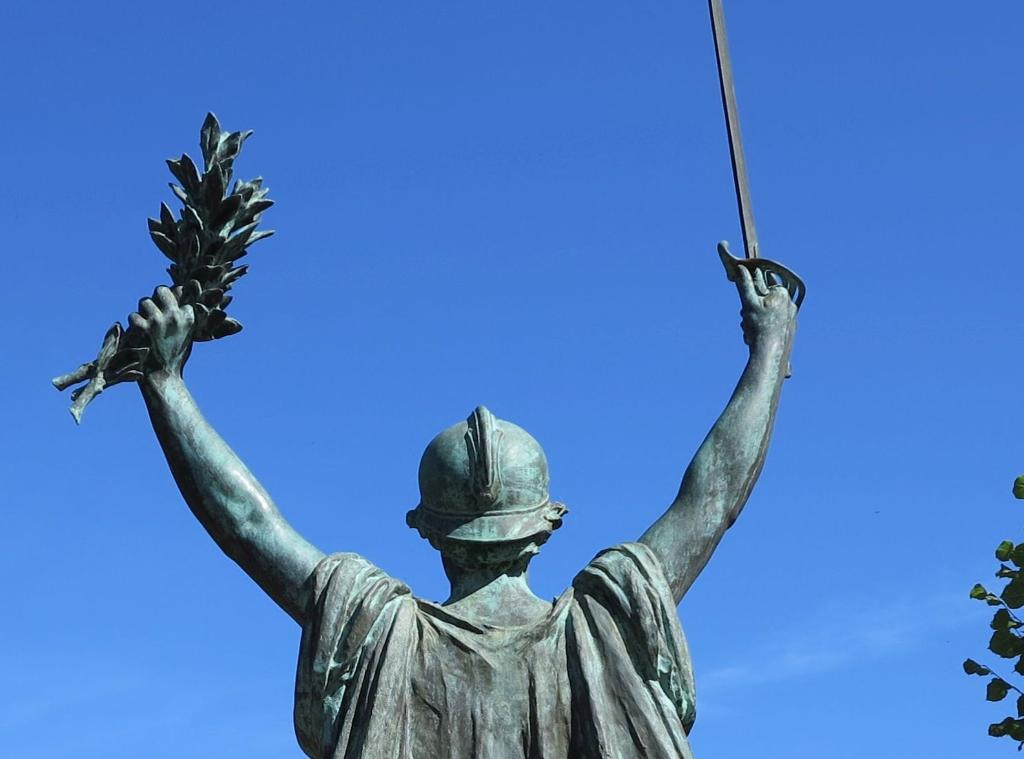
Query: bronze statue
point(493, 672)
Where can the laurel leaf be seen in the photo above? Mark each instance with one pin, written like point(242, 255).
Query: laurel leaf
point(215, 318)
point(191, 219)
point(233, 276)
point(212, 231)
point(176, 169)
point(211, 274)
point(213, 297)
point(192, 251)
point(213, 186)
point(192, 292)
point(190, 179)
point(229, 147)
point(241, 235)
point(260, 236)
point(201, 313)
point(167, 220)
point(226, 211)
point(166, 245)
point(226, 328)
point(209, 138)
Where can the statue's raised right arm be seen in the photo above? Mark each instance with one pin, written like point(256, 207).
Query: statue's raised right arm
point(224, 496)
point(719, 479)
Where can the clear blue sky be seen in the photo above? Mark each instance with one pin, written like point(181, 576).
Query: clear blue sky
point(517, 204)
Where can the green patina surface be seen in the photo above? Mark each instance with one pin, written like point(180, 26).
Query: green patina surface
point(494, 671)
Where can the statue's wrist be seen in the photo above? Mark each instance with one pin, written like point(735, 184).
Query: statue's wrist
point(770, 347)
point(159, 379)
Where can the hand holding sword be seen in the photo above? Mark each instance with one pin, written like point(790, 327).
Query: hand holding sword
point(756, 277)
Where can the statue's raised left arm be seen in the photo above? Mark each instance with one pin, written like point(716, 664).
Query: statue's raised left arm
point(222, 493)
point(719, 479)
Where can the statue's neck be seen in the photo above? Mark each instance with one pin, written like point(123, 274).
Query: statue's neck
point(494, 598)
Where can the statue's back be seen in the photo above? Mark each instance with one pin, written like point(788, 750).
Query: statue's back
point(382, 673)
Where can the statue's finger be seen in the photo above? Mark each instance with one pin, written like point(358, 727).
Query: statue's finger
point(760, 283)
point(165, 298)
point(148, 308)
point(745, 284)
point(136, 320)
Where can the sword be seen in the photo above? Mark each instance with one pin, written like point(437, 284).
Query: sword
point(775, 273)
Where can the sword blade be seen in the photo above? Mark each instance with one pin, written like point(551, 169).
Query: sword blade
point(732, 121)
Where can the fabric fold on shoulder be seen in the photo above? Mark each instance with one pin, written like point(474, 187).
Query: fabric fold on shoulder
point(628, 652)
point(342, 656)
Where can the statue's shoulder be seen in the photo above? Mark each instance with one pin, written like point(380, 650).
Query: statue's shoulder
point(623, 563)
point(350, 575)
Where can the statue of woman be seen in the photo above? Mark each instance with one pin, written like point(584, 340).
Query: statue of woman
point(493, 672)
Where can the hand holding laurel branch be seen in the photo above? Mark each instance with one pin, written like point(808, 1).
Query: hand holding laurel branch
point(215, 230)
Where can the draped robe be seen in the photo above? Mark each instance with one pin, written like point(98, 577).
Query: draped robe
point(604, 675)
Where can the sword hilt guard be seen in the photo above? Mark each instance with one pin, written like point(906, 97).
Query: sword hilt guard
point(783, 276)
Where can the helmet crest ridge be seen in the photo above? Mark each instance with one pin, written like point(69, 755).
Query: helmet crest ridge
point(483, 444)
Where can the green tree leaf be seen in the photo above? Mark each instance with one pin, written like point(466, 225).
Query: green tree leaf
point(972, 667)
point(997, 689)
point(1016, 730)
point(1007, 573)
point(1007, 639)
point(1000, 729)
point(1009, 726)
point(1013, 593)
point(1005, 644)
point(1003, 620)
point(1017, 557)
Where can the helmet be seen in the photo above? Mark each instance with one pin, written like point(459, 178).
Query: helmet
point(484, 480)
